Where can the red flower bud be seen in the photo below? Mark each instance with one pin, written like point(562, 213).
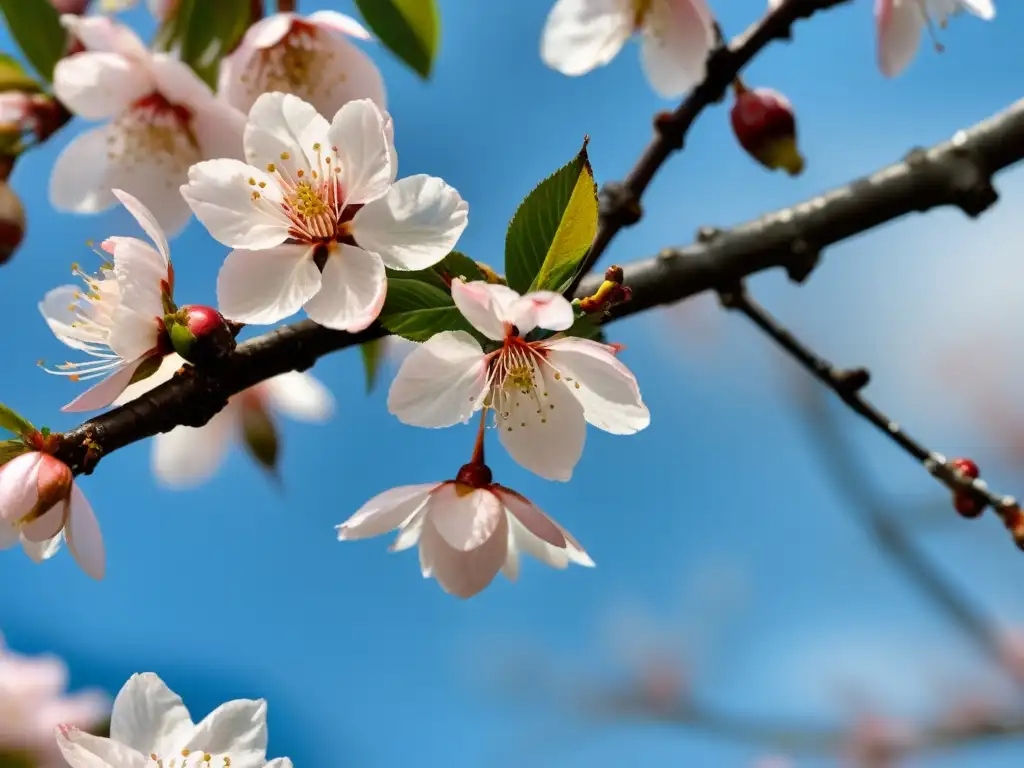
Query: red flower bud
point(475, 475)
point(765, 125)
point(966, 467)
point(12, 222)
point(966, 506)
point(199, 334)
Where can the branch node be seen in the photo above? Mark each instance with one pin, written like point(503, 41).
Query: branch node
point(708, 234)
point(852, 380)
point(620, 205)
point(668, 128)
point(805, 258)
point(972, 183)
point(732, 297)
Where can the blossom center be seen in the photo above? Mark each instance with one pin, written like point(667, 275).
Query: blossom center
point(192, 759)
point(301, 62)
point(517, 389)
point(155, 131)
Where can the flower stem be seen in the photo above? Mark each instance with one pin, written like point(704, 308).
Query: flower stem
point(478, 447)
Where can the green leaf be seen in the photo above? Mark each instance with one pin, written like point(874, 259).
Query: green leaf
point(416, 310)
point(586, 327)
point(552, 228)
point(13, 76)
point(410, 29)
point(14, 422)
point(209, 30)
point(457, 264)
point(17, 760)
point(11, 449)
point(373, 355)
point(36, 28)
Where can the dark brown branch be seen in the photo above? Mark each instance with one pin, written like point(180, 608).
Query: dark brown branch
point(957, 172)
point(620, 201)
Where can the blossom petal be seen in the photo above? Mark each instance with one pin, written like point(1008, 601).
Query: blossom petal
point(299, 395)
point(220, 195)
point(149, 225)
point(79, 179)
point(339, 22)
point(83, 750)
point(97, 33)
point(265, 286)
point(46, 526)
point(607, 389)
point(103, 394)
point(41, 550)
point(545, 309)
point(352, 290)
point(238, 727)
point(409, 534)
point(149, 717)
point(580, 35)
point(140, 270)
point(85, 541)
point(282, 130)
point(677, 39)
point(58, 309)
point(486, 306)
point(134, 334)
point(543, 430)
point(97, 85)
point(510, 568)
point(169, 366)
point(532, 518)
point(187, 456)
point(442, 382)
point(363, 156)
point(983, 9)
point(536, 538)
point(9, 535)
point(414, 225)
point(898, 26)
point(464, 572)
point(19, 486)
point(385, 512)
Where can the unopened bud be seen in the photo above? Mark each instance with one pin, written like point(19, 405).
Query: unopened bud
point(765, 126)
point(966, 506)
point(12, 222)
point(77, 7)
point(199, 334)
point(260, 435)
point(53, 487)
point(613, 274)
point(966, 467)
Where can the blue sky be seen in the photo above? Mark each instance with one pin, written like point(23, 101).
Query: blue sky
point(726, 538)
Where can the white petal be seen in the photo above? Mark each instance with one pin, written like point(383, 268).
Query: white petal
point(414, 225)
point(265, 286)
point(238, 727)
point(8, 535)
point(19, 488)
point(409, 534)
point(486, 306)
point(545, 309)
point(149, 225)
point(299, 395)
point(148, 716)
point(268, 32)
point(532, 518)
point(459, 571)
point(140, 270)
point(442, 382)
point(79, 180)
point(898, 26)
point(103, 394)
point(134, 335)
point(280, 762)
point(169, 366)
point(983, 9)
point(580, 35)
point(385, 512)
point(282, 129)
point(358, 133)
point(544, 430)
point(83, 750)
point(606, 388)
point(339, 22)
point(58, 311)
point(83, 535)
point(537, 539)
point(42, 550)
point(510, 568)
point(220, 195)
point(219, 128)
point(97, 33)
point(678, 36)
point(98, 85)
point(187, 456)
point(352, 290)
point(46, 526)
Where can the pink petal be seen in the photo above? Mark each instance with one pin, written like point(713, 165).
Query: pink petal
point(385, 512)
point(19, 487)
point(486, 306)
point(103, 394)
point(544, 309)
point(83, 535)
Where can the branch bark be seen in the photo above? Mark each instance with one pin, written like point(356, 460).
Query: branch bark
point(958, 172)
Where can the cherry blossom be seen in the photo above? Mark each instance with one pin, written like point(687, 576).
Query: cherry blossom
point(161, 10)
point(542, 392)
point(163, 119)
point(309, 56)
point(467, 530)
point(187, 456)
point(118, 317)
point(316, 214)
point(150, 726)
point(677, 36)
point(39, 501)
point(900, 24)
point(33, 700)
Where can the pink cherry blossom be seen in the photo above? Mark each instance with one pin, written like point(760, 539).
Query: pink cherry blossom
point(467, 530)
point(677, 36)
point(308, 56)
point(316, 215)
point(901, 23)
point(542, 392)
point(162, 119)
point(118, 318)
point(40, 500)
point(33, 700)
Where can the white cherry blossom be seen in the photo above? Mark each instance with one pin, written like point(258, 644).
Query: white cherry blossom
point(316, 214)
point(162, 119)
point(117, 317)
point(467, 530)
point(150, 727)
point(901, 23)
point(676, 38)
point(310, 56)
point(542, 392)
point(40, 502)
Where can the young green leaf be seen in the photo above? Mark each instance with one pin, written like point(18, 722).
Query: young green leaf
point(416, 310)
point(13, 76)
point(14, 422)
point(11, 449)
point(36, 28)
point(457, 264)
point(410, 29)
point(553, 228)
point(586, 327)
point(209, 30)
point(373, 355)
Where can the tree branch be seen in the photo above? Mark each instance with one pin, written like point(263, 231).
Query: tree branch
point(957, 173)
